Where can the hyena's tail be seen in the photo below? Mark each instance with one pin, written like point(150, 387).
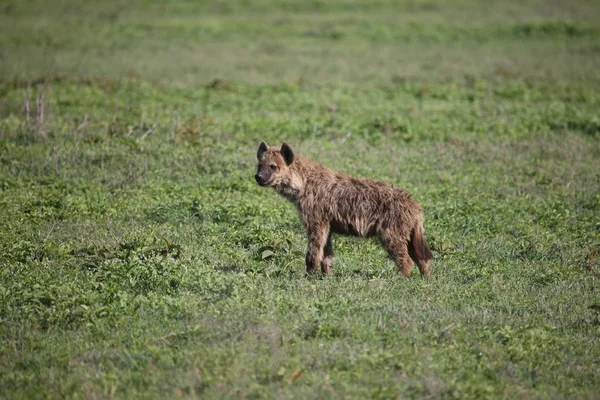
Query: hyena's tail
point(419, 245)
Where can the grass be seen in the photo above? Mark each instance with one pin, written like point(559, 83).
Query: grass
point(139, 258)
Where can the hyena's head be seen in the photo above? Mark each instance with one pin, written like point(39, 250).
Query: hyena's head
point(273, 165)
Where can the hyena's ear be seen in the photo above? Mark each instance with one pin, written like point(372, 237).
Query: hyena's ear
point(287, 153)
point(261, 149)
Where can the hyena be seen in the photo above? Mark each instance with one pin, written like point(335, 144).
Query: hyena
point(330, 202)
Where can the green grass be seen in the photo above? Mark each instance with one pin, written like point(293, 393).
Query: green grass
point(133, 235)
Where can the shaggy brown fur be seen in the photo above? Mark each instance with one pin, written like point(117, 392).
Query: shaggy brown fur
point(329, 202)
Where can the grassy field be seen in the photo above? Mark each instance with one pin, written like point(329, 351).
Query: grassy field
point(139, 259)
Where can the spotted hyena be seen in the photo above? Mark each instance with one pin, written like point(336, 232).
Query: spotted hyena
point(330, 202)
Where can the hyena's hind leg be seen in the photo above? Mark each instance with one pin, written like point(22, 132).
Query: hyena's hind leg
point(419, 250)
point(422, 264)
point(327, 263)
point(397, 247)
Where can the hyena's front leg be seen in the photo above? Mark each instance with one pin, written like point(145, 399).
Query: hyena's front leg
point(317, 239)
point(327, 262)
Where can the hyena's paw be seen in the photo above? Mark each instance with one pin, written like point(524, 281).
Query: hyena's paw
point(327, 267)
point(312, 272)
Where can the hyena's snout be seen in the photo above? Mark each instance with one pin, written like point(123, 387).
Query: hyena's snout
point(260, 179)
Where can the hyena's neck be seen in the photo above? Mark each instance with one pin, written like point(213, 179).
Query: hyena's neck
point(293, 186)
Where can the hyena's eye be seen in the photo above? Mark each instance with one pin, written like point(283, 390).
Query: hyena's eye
point(273, 167)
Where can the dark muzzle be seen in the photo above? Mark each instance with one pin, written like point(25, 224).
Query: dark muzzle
point(260, 180)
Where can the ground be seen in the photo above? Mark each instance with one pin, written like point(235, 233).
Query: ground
point(138, 257)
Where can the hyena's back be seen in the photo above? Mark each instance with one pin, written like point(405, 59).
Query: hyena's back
point(364, 207)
